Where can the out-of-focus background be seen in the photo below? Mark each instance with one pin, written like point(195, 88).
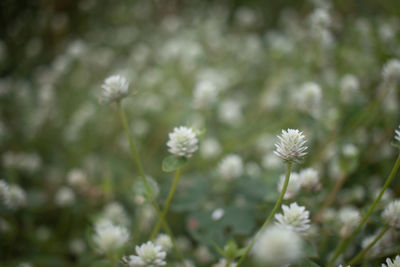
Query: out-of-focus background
point(242, 70)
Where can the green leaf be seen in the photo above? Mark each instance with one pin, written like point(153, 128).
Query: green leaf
point(310, 250)
point(172, 163)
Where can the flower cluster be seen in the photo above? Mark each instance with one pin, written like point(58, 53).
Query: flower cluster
point(291, 146)
point(183, 142)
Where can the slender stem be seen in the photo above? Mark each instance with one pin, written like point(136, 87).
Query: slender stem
point(358, 257)
point(340, 249)
point(144, 180)
point(271, 215)
point(167, 203)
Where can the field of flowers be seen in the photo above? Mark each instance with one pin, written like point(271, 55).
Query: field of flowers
point(200, 133)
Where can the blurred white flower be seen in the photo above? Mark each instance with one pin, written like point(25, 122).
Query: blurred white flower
point(309, 179)
point(114, 88)
point(320, 18)
point(182, 142)
point(109, 237)
point(203, 254)
point(205, 94)
point(4, 191)
point(230, 167)
point(308, 98)
point(223, 263)
point(349, 150)
point(65, 196)
point(291, 146)
point(293, 186)
point(217, 214)
point(278, 246)
point(391, 214)
point(77, 178)
point(349, 217)
point(16, 197)
point(164, 241)
point(294, 217)
point(116, 213)
point(270, 161)
point(397, 134)
point(209, 148)
point(390, 263)
point(350, 87)
point(391, 70)
point(148, 255)
point(77, 246)
point(230, 112)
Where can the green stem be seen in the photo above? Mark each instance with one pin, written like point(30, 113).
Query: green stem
point(167, 203)
point(358, 257)
point(271, 215)
point(144, 180)
point(341, 248)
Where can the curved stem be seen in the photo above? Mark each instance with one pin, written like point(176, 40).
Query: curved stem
point(271, 215)
point(358, 257)
point(342, 247)
point(167, 203)
point(144, 180)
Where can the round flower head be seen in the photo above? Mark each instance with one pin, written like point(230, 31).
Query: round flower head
point(182, 142)
point(391, 70)
point(309, 179)
point(109, 237)
point(277, 246)
point(148, 255)
point(397, 134)
point(230, 167)
point(164, 241)
point(291, 146)
point(394, 263)
point(16, 197)
point(391, 214)
point(114, 88)
point(294, 217)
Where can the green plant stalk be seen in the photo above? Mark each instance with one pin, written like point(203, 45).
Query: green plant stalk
point(359, 256)
point(342, 247)
point(167, 203)
point(143, 177)
point(271, 215)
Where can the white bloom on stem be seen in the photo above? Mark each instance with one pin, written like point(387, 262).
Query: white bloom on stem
point(182, 142)
point(164, 241)
point(394, 263)
point(114, 88)
point(278, 246)
point(309, 179)
point(391, 214)
point(291, 146)
point(230, 167)
point(294, 217)
point(148, 255)
point(293, 185)
point(349, 217)
point(391, 70)
point(109, 237)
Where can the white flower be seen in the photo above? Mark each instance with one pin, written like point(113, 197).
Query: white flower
point(390, 263)
point(114, 88)
point(65, 196)
point(308, 97)
point(230, 112)
point(164, 241)
point(148, 255)
point(293, 186)
point(350, 87)
point(109, 237)
point(278, 246)
point(294, 217)
point(391, 70)
point(291, 146)
point(391, 214)
point(397, 134)
point(344, 266)
point(217, 214)
point(4, 191)
point(349, 217)
point(16, 197)
point(223, 262)
point(309, 179)
point(205, 94)
point(182, 142)
point(116, 213)
point(230, 167)
point(210, 148)
point(320, 18)
point(77, 178)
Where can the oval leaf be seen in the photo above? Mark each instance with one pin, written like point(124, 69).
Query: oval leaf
point(172, 163)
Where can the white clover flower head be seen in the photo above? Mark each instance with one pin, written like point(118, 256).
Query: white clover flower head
point(65, 196)
point(293, 186)
point(294, 217)
point(148, 255)
point(230, 167)
point(349, 217)
point(223, 263)
point(320, 18)
point(182, 142)
point(309, 179)
point(114, 88)
point(394, 263)
point(291, 146)
point(278, 246)
point(397, 134)
point(109, 237)
point(164, 241)
point(391, 70)
point(16, 197)
point(391, 214)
